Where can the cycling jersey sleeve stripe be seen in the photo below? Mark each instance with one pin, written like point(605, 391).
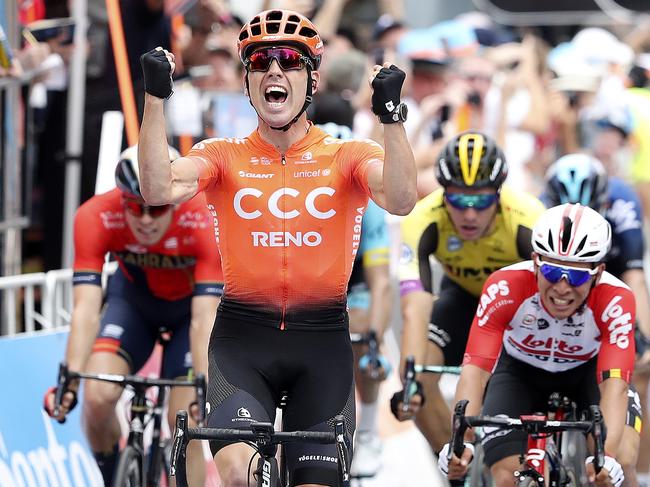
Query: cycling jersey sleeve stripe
point(407, 287)
point(375, 257)
point(81, 277)
point(208, 289)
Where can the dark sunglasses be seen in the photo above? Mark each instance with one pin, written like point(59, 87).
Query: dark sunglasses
point(139, 209)
point(286, 57)
point(575, 276)
point(479, 202)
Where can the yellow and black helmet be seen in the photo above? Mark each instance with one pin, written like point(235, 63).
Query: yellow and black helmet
point(471, 160)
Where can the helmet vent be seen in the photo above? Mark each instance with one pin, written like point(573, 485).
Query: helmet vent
point(567, 226)
point(541, 246)
point(307, 32)
point(273, 27)
point(274, 15)
point(243, 35)
point(550, 240)
point(581, 245)
point(591, 253)
point(290, 28)
point(256, 20)
point(256, 30)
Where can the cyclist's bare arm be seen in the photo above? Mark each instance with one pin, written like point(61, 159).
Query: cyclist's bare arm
point(84, 326)
point(613, 404)
point(378, 279)
point(204, 310)
point(471, 386)
point(394, 187)
point(416, 313)
point(162, 183)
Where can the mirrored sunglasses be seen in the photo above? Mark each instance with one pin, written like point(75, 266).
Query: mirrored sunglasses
point(479, 202)
point(286, 57)
point(575, 276)
point(139, 209)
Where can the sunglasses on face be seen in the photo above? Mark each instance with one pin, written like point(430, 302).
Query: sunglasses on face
point(575, 276)
point(479, 202)
point(286, 57)
point(139, 209)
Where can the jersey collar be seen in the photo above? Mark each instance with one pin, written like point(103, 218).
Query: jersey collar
point(314, 136)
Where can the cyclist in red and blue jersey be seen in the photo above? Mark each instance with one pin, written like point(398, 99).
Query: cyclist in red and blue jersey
point(168, 276)
point(581, 178)
point(289, 200)
point(556, 323)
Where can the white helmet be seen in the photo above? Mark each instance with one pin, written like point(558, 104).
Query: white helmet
point(572, 233)
point(127, 176)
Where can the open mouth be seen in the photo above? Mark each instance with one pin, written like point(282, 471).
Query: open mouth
point(148, 232)
point(275, 95)
point(469, 229)
point(561, 303)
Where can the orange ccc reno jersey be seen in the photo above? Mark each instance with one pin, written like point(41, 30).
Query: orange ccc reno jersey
point(289, 224)
point(184, 262)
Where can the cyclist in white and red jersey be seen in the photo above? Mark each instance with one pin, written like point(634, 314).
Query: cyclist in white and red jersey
point(289, 201)
point(557, 323)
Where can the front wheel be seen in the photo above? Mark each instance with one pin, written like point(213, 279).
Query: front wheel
point(479, 473)
point(130, 469)
point(571, 479)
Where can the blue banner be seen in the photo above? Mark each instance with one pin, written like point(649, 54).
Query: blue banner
point(34, 449)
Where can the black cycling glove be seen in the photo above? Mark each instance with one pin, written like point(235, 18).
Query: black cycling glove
point(387, 87)
point(157, 73)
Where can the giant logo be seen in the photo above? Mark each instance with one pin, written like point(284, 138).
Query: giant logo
point(317, 209)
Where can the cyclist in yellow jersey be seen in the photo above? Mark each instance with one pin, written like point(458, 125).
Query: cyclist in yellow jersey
point(639, 169)
point(473, 227)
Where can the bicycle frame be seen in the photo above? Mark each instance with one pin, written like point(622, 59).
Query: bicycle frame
point(539, 448)
point(265, 439)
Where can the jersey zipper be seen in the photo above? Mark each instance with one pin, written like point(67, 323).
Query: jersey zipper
point(284, 253)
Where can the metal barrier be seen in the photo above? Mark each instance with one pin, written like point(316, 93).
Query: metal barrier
point(53, 310)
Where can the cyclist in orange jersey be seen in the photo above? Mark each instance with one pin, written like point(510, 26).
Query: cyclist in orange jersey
point(288, 200)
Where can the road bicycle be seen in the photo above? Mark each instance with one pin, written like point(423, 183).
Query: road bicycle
point(543, 459)
point(138, 467)
point(477, 476)
point(265, 440)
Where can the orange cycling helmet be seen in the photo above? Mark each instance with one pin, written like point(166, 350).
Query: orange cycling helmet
point(279, 26)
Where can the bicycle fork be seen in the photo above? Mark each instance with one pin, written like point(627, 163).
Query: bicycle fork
point(534, 460)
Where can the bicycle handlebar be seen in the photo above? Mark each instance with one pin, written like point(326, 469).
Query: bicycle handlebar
point(66, 376)
point(409, 382)
point(438, 369)
point(531, 425)
point(262, 434)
